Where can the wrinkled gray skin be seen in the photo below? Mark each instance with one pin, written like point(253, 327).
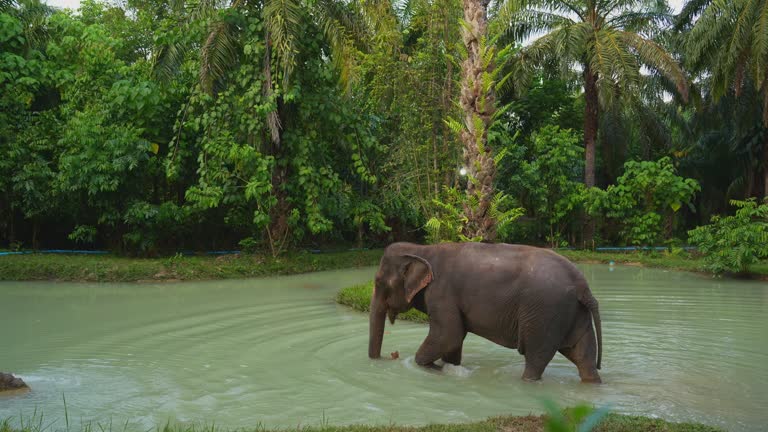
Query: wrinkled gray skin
point(517, 296)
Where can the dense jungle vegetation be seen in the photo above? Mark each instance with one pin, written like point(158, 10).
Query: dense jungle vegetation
point(149, 127)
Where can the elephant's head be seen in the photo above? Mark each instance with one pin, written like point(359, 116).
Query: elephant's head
point(399, 279)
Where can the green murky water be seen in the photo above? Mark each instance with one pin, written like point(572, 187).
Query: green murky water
point(279, 352)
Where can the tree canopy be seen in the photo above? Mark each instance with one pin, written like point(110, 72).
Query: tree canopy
point(154, 127)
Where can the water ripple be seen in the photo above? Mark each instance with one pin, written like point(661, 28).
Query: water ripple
point(278, 352)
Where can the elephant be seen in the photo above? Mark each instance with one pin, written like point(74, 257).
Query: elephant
point(517, 296)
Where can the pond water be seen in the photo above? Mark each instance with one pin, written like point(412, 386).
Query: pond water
point(279, 352)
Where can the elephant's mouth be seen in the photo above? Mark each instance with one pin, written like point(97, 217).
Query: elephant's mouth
point(392, 314)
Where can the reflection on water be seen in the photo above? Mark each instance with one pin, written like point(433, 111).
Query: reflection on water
point(279, 352)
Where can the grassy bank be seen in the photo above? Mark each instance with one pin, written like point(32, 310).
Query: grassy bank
point(682, 261)
point(109, 268)
point(612, 423)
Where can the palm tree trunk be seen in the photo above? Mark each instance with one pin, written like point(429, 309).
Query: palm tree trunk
point(590, 124)
point(478, 106)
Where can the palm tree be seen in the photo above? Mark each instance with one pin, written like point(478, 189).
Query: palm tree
point(730, 42)
point(479, 106)
point(283, 27)
point(609, 39)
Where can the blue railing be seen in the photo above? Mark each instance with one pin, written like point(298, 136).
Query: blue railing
point(186, 253)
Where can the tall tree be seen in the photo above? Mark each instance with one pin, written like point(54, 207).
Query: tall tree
point(284, 21)
point(730, 42)
point(609, 39)
point(478, 104)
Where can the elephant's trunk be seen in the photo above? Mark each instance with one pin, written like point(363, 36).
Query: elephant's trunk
point(376, 327)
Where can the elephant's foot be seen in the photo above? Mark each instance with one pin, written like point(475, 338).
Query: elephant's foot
point(532, 374)
point(591, 378)
point(535, 363)
point(431, 366)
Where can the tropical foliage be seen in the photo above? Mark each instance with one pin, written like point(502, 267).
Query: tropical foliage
point(152, 127)
point(644, 200)
point(609, 40)
point(733, 243)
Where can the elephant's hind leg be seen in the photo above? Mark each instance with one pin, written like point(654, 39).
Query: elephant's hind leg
point(536, 362)
point(584, 356)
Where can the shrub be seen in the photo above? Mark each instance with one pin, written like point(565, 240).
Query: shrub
point(644, 200)
point(732, 243)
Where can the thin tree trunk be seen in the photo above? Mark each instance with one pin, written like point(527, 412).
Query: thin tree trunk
point(11, 226)
point(765, 137)
point(278, 230)
point(447, 100)
point(478, 107)
point(765, 164)
point(590, 124)
point(35, 230)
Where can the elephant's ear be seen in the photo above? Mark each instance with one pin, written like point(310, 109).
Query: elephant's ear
point(418, 274)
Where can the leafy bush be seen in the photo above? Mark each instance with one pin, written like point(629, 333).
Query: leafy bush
point(646, 194)
point(732, 243)
point(558, 165)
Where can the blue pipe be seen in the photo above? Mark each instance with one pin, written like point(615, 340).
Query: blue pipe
point(314, 251)
point(187, 252)
point(55, 251)
point(635, 248)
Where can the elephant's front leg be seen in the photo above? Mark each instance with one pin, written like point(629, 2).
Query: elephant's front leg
point(454, 357)
point(446, 334)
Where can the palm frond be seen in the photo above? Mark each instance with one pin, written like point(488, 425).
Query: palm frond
point(199, 10)
point(166, 60)
point(737, 43)
point(640, 20)
point(342, 27)
point(655, 56)
point(33, 16)
point(283, 19)
point(7, 5)
point(691, 10)
point(518, 19)
point(523, 66)
point(217, 54)
point(759, 49)
point(613, 61)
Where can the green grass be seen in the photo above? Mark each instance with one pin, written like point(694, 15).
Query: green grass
point(683, 261)
point(109, 268)
point(612, 423)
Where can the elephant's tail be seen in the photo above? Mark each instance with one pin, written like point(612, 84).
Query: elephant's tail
point(591, 303)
